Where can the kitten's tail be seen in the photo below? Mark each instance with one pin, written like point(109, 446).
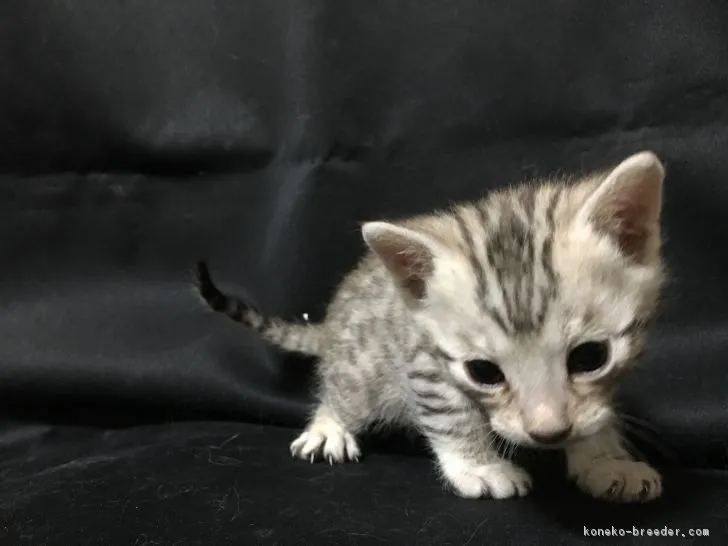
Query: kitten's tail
point(300, 338)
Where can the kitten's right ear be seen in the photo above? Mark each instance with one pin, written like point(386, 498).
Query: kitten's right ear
point(408, 254)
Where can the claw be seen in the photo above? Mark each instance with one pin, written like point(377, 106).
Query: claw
point(646, 487)
point(613, 489)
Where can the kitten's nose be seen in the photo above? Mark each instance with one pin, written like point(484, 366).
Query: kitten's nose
point(551, 436)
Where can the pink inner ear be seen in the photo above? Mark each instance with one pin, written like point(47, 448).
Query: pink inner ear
point(630, 226)
point(410, 263)
point(630, 218)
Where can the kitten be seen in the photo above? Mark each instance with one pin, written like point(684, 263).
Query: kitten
point(517, 314)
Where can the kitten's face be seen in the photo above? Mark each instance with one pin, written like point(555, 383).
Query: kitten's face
point(552, 383)
point(539, 296)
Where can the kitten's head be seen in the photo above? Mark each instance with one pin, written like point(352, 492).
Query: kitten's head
point(537, 296)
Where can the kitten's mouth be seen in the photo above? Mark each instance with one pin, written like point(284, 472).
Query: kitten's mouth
point(575, 436)
point(530, 443)
point(553, 445)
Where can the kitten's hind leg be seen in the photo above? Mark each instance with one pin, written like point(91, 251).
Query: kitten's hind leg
point(326, 437)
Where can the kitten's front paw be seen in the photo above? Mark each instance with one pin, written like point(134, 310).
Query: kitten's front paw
point(619, 480)
point(497, 480)
point(328, 439)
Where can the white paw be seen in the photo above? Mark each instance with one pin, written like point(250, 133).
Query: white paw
point(619, 480)
point(497, 480)
point(326, 438)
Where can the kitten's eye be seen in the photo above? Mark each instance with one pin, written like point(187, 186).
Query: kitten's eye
point(587, 357)
point(485, 372)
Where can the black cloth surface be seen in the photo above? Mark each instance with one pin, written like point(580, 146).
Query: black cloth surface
point(139, 136)
point(221, 483)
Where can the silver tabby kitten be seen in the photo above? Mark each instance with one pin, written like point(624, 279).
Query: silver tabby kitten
point(516, 314)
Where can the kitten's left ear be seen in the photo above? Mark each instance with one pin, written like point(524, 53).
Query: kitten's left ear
point(627, 204)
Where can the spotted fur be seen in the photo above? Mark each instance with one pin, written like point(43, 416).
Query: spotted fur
point(518, 279)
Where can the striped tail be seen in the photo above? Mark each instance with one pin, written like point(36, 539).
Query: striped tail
point(300, 338)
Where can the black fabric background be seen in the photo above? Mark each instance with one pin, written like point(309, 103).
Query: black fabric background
point(139, 136)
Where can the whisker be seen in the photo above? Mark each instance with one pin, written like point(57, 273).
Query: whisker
point(513, 449)
point(501, 445)
point(649, 437)
point(640, 422)
point(629, 444)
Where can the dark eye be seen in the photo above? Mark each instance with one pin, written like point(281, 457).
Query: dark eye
point(587, 357)
point(485, 372)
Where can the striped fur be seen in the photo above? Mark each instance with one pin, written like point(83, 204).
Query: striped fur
point(301, 338)
point(519, 278)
